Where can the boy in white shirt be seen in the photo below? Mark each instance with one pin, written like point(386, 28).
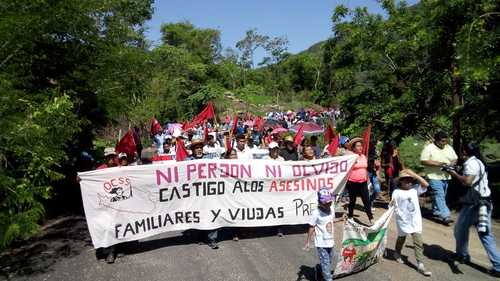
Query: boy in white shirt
point(321, 226)
point(408, 216)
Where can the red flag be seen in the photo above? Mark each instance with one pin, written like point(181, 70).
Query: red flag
point(180, 151)
point(235, 125)
point(207, 113)
point(366, 139)
point(126, 144)
point(329, 134)
point(259, 123)
point(155, 126)
point(228, 144)
point(299, 136)
point(333, 146)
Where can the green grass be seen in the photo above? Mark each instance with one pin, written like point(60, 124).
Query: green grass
point(259, 99)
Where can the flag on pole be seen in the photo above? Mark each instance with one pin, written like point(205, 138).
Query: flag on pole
point(259, 123)
point(235, 125)
point(333, 146)
point(207, 113)
point(299, 135)
point(329, 134)
point(126, 144)
point(366, 139)
point(180, 151)
point(155, 126)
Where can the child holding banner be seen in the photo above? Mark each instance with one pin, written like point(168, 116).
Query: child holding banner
point(321, 225)
point(408, 216)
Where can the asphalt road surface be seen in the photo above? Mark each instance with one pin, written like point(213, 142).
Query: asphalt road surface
point(65, 253)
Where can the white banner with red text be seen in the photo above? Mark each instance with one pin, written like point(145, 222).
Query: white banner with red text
point(134, 202)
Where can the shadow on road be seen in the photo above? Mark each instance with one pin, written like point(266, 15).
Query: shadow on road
point(199, 237)
point(436, 252)
point(306, 273)
point(64, 238)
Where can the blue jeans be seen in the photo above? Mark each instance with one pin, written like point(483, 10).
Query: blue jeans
point(212, 235)
point(467, 217)
point(325, 261)
point(439, 207)
point(376, 186)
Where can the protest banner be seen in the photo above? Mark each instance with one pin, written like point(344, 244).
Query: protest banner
point(361, 246)
point(129, 203)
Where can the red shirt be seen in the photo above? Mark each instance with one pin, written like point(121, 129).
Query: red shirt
point(102, 166)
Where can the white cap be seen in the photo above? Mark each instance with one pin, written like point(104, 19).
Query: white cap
point(123, 154)
point(273, 144)
point(168, 137)
point(109, 151)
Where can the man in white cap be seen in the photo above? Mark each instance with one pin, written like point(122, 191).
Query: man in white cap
point(274, 152)
point(109, 158)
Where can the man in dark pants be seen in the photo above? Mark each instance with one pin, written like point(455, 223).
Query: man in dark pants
point(197, 154)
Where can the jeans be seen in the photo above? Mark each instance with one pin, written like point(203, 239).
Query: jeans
point(325, 261)
point(418, 245)
point(439, 207)
point(212, 235)
point(376, 186)
point(467, 217)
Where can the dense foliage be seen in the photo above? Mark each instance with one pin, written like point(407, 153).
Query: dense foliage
point(432, 65)
point(74, 70)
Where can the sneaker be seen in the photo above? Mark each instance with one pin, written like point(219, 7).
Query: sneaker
point(462, 259)
point(398, 258)
point(421, 269)
point(213, 245)
point(373, 210)
point(280, 234)
point(236, 239)
point(446, 221)
point(494, 273)
point(110, 258)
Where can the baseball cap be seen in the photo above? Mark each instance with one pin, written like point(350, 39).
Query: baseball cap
point(108, 151)
point(324, 195)
point(273, 144)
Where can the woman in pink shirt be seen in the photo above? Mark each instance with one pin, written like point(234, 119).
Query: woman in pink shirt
point(358, 178)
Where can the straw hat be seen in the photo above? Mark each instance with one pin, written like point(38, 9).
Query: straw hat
point(353, 141)
point(195, 143)
point(405, 174)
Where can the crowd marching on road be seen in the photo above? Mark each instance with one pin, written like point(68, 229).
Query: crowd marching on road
point(247, 137)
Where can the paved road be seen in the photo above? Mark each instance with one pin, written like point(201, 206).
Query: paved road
point(259, 256)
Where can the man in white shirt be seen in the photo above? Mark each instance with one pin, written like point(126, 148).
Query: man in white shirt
point(476, 209)
point(434, 157)
point(244, 152)
point(212, 148)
